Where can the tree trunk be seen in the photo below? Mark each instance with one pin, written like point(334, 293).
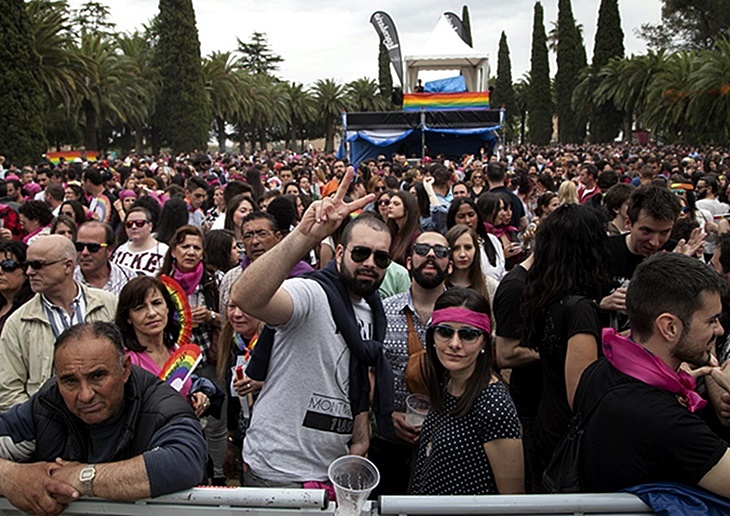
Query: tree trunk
point(329, 141)
point(91, 141)
point(222, 136)
point(139, 138)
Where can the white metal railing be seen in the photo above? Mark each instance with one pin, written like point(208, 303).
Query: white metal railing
point(293, 502)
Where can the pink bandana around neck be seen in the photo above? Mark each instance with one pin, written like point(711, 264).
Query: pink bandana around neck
point(633, 360)
point(461, 315)
point(189, 281)
point(498, 232)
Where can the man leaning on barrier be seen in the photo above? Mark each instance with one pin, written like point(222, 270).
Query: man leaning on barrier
point(101, 427)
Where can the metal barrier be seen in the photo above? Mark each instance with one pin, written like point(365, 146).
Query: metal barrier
point(293, 502)
point(559, 504)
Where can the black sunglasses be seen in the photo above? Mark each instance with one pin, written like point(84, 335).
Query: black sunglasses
point(138, 223)
point(93, 247)
point(380, 188)
point(37, 265)
point(441, 251)
point(384, 202)
point(360, 253)
point(10, 265)
point(444, 333)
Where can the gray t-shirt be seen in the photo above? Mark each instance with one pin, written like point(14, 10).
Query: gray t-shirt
point(302, 420)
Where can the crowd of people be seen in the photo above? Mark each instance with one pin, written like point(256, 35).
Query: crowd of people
point(510, 291)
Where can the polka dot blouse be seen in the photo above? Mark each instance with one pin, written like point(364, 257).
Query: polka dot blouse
point(451, 459)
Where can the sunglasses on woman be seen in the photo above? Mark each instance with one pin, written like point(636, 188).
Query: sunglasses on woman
point(135, 223)
point(10, 265)
point(360, 253)
point(444, 333)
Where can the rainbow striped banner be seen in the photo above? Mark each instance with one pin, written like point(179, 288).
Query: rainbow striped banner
point(445, 101)
point(69, 156)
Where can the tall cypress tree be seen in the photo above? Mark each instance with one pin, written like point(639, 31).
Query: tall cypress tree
point(183, 113)
point(22, 131)
point(539, 102)
point(504, 94)
point(605, 118)
point(467, 25)
point(571, 62)
point(385, 79)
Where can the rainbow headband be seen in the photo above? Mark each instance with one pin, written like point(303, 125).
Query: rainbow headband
point(461, 315)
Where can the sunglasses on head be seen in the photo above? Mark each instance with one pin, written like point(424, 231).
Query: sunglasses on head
point(93, 247)
point(135, 223)
point(441, 251)
point(360, 253)
point(10, 265)
point(444, 333)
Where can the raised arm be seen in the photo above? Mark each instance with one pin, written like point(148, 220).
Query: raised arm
point(258, 291)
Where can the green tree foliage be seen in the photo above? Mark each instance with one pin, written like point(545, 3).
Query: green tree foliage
point(571, 62)
point(22, 134)
point(605, 119)
point(182, 109)
point(539, 104)
point(385, 78)
point(257, 57)
point(362, 95)
point(688, 25)
point(467, 24)
point(503, 94)
point(330, 100)
point(93, 18)
point(225, 89)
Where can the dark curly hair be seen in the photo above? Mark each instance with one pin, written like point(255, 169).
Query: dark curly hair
point(570, 259)
point(37, 210)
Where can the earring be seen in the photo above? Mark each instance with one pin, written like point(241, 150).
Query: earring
point(482, 350)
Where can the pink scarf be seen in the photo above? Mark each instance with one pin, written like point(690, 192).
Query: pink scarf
point(498, 232)
point(633, 360)
point(189, 281)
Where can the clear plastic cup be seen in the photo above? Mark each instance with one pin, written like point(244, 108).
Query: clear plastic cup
point(353, 477)
point(417, 406)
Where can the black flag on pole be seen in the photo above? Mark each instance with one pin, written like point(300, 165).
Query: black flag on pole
point(458, 26)
point(385, 28)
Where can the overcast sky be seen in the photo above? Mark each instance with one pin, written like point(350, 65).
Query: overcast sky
point(321, 39)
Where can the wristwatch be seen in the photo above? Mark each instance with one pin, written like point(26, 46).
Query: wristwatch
point(86, 477)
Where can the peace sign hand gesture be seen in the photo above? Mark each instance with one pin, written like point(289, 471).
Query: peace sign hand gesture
point(324, 216)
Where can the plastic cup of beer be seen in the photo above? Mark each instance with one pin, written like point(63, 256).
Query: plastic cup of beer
point(353, 477)
point(417, 406)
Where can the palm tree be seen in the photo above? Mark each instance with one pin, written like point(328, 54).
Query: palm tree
point(60, 65)
point(302, 111)
point(625, 82)
point(331, 101)
point(136, 48)
point(110, 93)
point(668, 97)
point(267, 112)
point(364, 95)
point(709, 110)
point(225, 87)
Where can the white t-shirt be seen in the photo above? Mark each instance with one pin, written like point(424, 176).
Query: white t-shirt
point(302, 420)
point(147, 262)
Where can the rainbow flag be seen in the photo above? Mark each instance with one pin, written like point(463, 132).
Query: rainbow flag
point(69, 156)
point(181, 365)
point(445, 101)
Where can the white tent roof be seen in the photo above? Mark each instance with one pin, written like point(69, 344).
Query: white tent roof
point(445, 50)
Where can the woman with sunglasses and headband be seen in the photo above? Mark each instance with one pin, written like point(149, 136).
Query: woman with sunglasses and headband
point(470, 441)
point(142, 253)
point(14, 285)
